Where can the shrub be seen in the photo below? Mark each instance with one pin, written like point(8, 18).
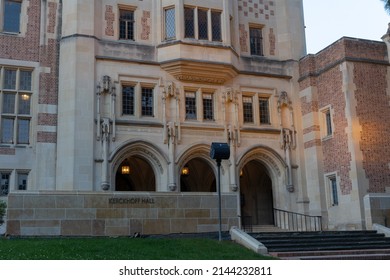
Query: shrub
point(3, 206)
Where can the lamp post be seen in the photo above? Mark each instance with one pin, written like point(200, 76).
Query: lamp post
point(219, 151)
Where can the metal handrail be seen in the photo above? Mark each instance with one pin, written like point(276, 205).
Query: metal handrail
point(296, 221)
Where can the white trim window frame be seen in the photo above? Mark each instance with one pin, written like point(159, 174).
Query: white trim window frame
point(137, 100)
point(169, 23)
point(326, 122)
point(332, 189)
point(15, 105)
point(11, 16)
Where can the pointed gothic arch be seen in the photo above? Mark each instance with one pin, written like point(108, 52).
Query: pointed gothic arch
point(262, 173)
point(147, 163)
point(202, 169)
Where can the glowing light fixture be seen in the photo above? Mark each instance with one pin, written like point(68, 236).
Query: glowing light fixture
point(125, 168)
point(185, 171)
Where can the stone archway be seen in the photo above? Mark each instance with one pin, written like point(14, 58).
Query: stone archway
point(139, 176)
point(256, 194)
point(197, 176)
point(147, 163)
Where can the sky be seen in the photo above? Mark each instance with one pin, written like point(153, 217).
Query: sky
point(327, 21)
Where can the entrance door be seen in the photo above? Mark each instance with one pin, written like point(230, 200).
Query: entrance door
point(256, 194)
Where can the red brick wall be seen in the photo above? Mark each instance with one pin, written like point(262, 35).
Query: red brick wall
point(27, 47)
point(337, 157)
point(24, 48)
point(373, 107)
point(374, 114)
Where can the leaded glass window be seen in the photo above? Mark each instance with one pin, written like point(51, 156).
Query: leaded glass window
point(190, 105)
point(126, 25)
point(147, 102)
point(128, 100)
point(247, 109)
point(170, 29)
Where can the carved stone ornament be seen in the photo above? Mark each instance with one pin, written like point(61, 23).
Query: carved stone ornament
point(284, 100)
point(231, 95)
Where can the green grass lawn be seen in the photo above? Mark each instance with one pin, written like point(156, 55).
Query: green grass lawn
point(123, 249)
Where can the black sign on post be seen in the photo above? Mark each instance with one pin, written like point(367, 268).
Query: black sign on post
point(219, 151)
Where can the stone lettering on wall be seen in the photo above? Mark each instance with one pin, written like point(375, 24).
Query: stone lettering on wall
point(131, 200)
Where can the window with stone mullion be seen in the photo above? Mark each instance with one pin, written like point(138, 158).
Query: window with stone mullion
point(202, 25)
point(216, 26)
point(189, 26)
point(170, 29)
point(126, 25)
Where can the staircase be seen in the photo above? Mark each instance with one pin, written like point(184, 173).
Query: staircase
point(364, 245)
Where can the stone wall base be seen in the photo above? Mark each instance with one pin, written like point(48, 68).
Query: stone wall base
point(377, 209)
point(117, 214)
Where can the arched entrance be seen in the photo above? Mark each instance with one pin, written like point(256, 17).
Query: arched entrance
point(256, 194)
point(197, 176)
point(135, 174)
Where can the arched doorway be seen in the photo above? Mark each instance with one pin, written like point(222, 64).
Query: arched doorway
point(197, 176)
point(256, 194)
point(135, 174)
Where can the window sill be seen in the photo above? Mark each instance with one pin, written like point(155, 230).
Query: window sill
point(7, 33)
point(327, 137)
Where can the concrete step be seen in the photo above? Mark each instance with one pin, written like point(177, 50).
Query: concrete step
point(343, 243)
point(369, 254)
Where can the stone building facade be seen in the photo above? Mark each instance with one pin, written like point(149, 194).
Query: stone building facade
point(109, 108)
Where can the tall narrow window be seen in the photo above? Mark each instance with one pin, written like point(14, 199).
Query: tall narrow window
point(190, 105)
point(333, 191)
point(202, 25)
point(264, 110)
point(216, 26)
point(147, 102)
point(247, 103)
point(126, 25)
point(16, 106)
point(208, 112)
point(11, 16)
point(189, 26)
point(256, 41)
point(170, 29)
point(4, 183)
point(328, 121)
point(128, 100)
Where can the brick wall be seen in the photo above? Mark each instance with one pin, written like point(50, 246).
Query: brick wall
point(374, 113)
point(27, 47)
point(370, 66)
